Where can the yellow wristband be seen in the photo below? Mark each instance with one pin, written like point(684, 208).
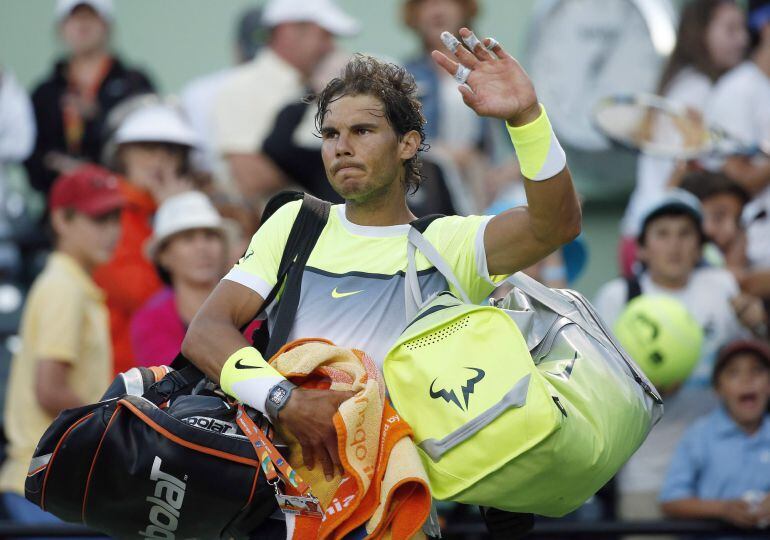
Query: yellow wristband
point(248, 377)
point(540, 155)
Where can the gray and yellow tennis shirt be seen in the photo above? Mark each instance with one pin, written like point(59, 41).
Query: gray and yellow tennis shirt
point(353, 284)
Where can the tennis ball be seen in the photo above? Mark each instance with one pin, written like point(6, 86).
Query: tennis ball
point(661, 336)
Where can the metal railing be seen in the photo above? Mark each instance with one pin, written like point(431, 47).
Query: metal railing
point(473, 530)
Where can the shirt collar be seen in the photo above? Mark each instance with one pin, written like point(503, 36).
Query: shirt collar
point(725, 426)
point(66, 263)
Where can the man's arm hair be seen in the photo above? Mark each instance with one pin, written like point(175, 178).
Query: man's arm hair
point(214, 332)
point(522, 236)
point(52, 388)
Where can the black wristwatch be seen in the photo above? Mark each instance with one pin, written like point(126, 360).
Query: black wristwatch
point(277, 398)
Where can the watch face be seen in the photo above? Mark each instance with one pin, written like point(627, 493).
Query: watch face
point(583, 50)
point(277, 395)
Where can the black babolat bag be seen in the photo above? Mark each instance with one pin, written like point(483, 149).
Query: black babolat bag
point(152, 460)
point(162, 456)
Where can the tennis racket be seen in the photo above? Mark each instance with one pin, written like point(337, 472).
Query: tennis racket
point(655, 126)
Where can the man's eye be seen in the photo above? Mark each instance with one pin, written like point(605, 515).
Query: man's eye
point(361, 131)
point(329, 135)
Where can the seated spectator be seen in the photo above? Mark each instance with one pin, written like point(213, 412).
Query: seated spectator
point(189, 249)
point(153, 147)
point(670, 246)
point(72, 104)
point(721, 468)
point(65, 357)
point(722, 201)
point(245, 109)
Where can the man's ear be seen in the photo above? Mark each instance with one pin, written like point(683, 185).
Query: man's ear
point(409, 145)
point(59, 221)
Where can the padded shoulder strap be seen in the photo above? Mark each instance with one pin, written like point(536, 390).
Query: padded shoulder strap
point(278, 200)
point(422, 224)
point(307, 227)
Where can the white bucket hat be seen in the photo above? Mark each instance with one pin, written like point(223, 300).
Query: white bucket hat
point(156, 123)
point(104, 8)
point(324, 13)
point(183, 212)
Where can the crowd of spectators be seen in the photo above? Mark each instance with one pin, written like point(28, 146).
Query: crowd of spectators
point(151, 200)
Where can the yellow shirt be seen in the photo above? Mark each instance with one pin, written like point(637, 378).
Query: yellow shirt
point(353, 285)
point(65, 319)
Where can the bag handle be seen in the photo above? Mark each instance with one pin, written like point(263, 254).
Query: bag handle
point(412, 293)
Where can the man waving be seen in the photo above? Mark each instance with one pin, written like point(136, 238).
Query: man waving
point(352, 287)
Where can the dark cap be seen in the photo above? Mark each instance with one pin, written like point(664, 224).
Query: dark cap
point(758, 348)
point(88, 189)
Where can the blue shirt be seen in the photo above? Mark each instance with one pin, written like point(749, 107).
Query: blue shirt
point(717, 460)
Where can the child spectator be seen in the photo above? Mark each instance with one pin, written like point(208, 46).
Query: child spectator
point(65, 359)
point(72, 104)
point(721, 468)
point(189, 249)
point(722, 201)
point(670, 246)
point(153, 155)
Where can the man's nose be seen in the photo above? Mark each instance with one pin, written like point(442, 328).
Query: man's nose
point(343, 147)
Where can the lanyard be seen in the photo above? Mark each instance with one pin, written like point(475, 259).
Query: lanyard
point(74, 126)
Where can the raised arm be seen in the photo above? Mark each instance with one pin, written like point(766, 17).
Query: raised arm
point(496, 86)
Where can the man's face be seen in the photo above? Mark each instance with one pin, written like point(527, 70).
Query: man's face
point(311, 44)
point(721, 219)
point(90, 239)
point(362, 154)
point(435, 16)
point(671, 248)
point(744, 386)
point(84, 31)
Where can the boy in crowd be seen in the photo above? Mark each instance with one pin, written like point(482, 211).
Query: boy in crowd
point(670, 246)
point(722, 201)
point(721, 468)
point(65, 355)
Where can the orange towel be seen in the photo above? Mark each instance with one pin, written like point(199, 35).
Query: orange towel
point(384, 485)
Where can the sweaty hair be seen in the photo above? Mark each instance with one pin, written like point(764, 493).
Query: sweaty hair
point(707, 184)
point(395, 88)
point(690, 48)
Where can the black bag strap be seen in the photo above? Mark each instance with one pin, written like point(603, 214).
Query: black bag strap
point(307, 228)
point(305, 232)
point(422, 224)
point(633, 288)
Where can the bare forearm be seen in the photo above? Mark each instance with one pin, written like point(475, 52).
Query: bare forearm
point(554, 209)
point(694, 509)
point(209, 343)
point(752, 178)
point(53, 399)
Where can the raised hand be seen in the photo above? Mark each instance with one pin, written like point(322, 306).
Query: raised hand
point(497, 85)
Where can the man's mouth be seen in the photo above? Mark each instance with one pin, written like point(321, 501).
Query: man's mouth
point(748, 398)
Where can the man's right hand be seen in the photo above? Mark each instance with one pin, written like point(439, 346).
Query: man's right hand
point(739, 513)
point(308, 416)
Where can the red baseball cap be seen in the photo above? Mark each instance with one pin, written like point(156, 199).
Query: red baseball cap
point(88, 189)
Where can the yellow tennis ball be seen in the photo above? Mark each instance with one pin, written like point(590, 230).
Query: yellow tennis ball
point(662, 337)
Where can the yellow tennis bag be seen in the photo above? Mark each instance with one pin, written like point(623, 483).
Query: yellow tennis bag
point(529, 405)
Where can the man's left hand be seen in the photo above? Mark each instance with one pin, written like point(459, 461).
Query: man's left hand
point(497, 86)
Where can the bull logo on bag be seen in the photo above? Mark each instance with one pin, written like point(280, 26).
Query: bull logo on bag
point(450, 396)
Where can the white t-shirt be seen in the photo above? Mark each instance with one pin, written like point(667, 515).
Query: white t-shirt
point(689, 88)
point(250, 99)
point(740, 105)
point(707, 297)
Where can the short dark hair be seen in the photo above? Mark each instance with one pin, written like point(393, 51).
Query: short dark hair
point(669, 212)
point(395, 88)
point(707, 184)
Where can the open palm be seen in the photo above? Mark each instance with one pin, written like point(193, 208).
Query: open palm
point(497, 86)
